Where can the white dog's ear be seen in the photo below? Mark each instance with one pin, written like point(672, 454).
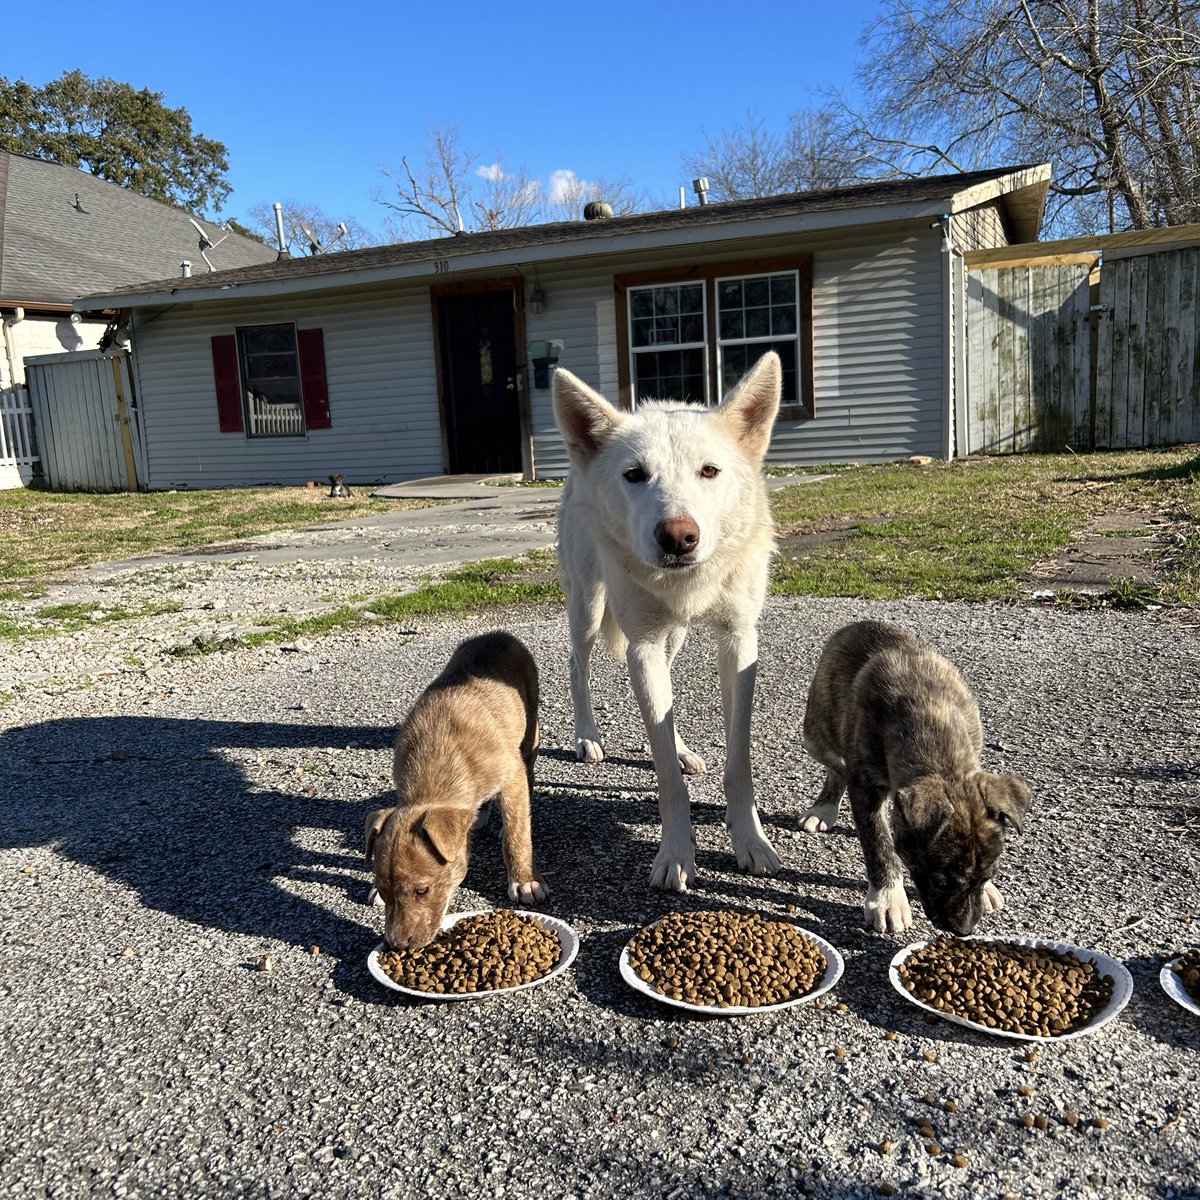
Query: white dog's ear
point(584, 417)
point(750, 409)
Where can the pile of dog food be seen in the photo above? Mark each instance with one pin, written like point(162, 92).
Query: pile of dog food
point(725, 959)
point(1007, 986)
point(483, 953)
point(1188, 969)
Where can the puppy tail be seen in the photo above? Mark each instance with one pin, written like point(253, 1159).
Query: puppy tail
point(614, 639)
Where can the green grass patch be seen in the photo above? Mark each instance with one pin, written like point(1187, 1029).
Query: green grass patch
point(969, 529)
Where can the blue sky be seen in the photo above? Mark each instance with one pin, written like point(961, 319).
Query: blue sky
point(312, 100)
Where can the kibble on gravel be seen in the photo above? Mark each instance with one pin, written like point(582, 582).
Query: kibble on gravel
point(1188, 969)
point(483, 953)
point(725, 959)
point(1007, 986)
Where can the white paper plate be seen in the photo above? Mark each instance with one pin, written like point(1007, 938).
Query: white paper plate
point(568, 941)
point(1121, 992)
point(834, 966)
point(1173, 986)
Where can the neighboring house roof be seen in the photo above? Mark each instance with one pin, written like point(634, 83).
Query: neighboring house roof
point(1021, 192)
point(64, 233)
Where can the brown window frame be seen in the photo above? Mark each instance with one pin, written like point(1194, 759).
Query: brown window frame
point(804, 407)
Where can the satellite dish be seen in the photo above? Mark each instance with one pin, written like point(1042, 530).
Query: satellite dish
point(206, 243)
point(314, 243)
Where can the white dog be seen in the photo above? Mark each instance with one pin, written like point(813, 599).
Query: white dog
point(664, 522)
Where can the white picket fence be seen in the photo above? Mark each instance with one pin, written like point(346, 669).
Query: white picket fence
point(17, 451)
point(274, 420)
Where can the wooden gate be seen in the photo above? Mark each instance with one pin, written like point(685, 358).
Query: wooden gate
point(87, 421)
point(1148, 350)
point(1028, 357)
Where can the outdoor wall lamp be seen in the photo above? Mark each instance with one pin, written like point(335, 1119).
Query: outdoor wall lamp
point(537, 300)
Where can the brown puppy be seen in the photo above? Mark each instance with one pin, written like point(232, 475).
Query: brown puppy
point(471, 737)
point(894, 723)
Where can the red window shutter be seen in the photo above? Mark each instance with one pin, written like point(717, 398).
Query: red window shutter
point(310, 345)
point(229, 383)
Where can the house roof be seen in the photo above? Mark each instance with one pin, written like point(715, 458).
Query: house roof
point(1021, 190)
point(64, 232)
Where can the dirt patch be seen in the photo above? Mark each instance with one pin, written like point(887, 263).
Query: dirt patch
point(1116, 547)
point(795, 545)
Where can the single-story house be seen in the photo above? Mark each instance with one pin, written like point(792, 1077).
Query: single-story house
point(421, 358)
point(64, 232)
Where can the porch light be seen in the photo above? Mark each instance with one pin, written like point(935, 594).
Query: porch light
point(537, 300)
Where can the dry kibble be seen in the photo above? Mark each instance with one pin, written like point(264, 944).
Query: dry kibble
point(933, 1148)
point(1027, 1121)
point(960, 1161)
point(314, 949)
point(723, 959)
point(1031, 1056)
point(950, 1106)
point(885, 1147)
point(1100, 1123)
point(1071, 1118)
point(266, 963)
point(671, 1043)
point(839, 1052)
point(887, 1189)
point(1006, 986)
point(1188, 970)
point(929, 1056)
point(493, 950)
point(839, 1007)
point(1042, 1122)
point(1025, 1090)
point(890, 1036)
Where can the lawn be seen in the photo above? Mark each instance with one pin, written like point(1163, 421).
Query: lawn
point(45, 534)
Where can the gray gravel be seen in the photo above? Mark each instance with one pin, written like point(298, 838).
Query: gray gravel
point(172, 821)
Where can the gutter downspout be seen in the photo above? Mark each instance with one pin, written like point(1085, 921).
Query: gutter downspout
point(10, 348)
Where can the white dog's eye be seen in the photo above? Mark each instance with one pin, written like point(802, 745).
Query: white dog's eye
point(636, 475)
point(421, 891)
point(708, 471)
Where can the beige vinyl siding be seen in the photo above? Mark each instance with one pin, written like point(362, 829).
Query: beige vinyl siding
point(382, 393)
point(979, 228)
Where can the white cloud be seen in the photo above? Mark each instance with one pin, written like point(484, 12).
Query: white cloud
point(565, 185)
point(490, 171)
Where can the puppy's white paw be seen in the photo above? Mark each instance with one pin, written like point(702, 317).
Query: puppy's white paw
point(374, 899)
point(672, 872)
point(528, 892)
point(588, 751)
point(691, 763)
point(755, 854)
point(819, 819)
point(993, 901)
point(888, 910)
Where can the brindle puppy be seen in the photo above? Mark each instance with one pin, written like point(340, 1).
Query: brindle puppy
point(894, 723)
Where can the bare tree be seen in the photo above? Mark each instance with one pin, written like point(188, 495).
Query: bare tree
point(749, 160)
point(1107, 90)
point(454, 191)
point(299, 216)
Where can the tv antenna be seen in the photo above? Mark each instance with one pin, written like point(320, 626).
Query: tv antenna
point(206, 243)
point(314, 243)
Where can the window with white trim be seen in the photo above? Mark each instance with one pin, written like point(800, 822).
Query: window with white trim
point(271, 379)
point(693, 339)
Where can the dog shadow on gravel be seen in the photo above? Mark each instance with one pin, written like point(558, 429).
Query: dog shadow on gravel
point(166, 808)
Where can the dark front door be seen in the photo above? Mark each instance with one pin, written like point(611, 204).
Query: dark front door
point(479, 382)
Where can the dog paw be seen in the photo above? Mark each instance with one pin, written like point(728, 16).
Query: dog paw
point(993, 901)
point(887, 910)
point(671, 872)
point(819, 819)
point(691, 763)
point(374, 899)
point(588, 751)
point(756, 855)
point(528, 892)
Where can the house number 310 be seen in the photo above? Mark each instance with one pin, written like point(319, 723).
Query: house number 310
point(441, 266)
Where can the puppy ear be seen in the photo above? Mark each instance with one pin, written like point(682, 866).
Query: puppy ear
point(446, 830)
point(922, 808)
point(584, 417)
point(371, 827)
point(1007, 799)
point(750, 409)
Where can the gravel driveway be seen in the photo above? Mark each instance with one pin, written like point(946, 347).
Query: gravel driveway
point(162, 832)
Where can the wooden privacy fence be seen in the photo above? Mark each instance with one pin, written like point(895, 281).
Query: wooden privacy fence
point(1082, 352)
point(18, 451)
point(87, 421)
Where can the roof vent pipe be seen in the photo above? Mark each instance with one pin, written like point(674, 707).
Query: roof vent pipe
point(283, 250)
point(700, 187)
point(597, 210)
point(185, 269)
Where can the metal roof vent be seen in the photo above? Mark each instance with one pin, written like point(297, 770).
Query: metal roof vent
point(700, 187)
point(597, 210)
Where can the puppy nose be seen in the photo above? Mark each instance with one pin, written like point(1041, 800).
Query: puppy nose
point(678, 536)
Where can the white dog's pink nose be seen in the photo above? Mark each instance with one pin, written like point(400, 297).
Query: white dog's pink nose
point(678, 536)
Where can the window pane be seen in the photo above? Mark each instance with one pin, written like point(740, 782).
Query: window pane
point(783, 320)
point(729, 294)
point(643, 331)
point(641, 303)
point(737, 360)
point(691, 328)
point(757, 323)
point(733, 324)
point(670, 375)
point(271, 366)
point(783, 289)
point(269, 339)
point(758, 291)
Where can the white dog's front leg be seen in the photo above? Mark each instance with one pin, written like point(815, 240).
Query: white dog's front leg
point(675, 864)
point(738, 665)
